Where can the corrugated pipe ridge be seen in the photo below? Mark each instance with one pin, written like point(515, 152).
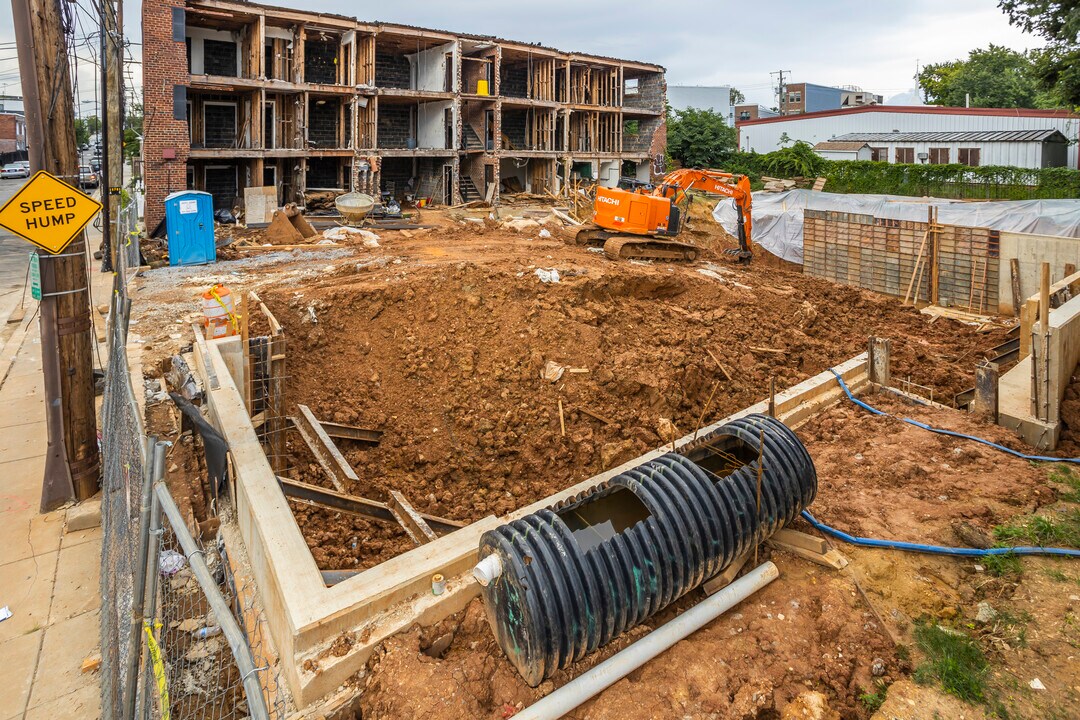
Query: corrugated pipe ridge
point(555, 603)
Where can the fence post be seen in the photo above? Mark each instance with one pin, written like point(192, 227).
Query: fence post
point(149, 609)
point(139, 585)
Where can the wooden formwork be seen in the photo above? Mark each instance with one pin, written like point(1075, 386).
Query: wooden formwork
point(949, 265)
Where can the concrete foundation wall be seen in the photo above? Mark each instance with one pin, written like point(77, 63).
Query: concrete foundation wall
point(1032, 251)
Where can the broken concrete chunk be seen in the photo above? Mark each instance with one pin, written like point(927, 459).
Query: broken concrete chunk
point(84, 516)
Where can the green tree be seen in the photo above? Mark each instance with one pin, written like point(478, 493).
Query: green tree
point(82, 132)
point(1057, 66)
point(700, 138)
point(736, 97)
point(133, 131)
point(994, 77)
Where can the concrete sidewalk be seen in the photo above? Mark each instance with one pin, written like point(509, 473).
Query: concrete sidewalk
point(49, 578)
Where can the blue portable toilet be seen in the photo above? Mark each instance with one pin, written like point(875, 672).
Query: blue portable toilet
point(189, 217)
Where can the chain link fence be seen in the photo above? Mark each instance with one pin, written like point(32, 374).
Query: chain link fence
point(181, 633)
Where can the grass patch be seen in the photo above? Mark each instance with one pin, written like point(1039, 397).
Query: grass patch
point(1003, 565)
point(953, 659)
point(1065, 475)
point(1059, 530)
point(1055, 574)
point(874, 700)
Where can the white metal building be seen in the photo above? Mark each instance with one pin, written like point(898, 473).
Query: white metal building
point(765, 134)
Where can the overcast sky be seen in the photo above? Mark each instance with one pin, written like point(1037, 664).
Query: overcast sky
point(876, 45)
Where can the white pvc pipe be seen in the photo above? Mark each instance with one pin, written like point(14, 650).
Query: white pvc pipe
point(629, 659)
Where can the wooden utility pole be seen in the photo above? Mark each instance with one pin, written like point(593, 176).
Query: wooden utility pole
point(112, 132)
point(71, 461)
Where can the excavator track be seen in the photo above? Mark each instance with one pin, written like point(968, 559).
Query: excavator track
point(632, 247)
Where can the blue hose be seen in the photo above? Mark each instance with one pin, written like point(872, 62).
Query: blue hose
point(939, 549)
point(950, 433)
point(936, 549)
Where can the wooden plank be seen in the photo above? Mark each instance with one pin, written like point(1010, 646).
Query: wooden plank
point(801, 539)
point(727, 576)
point(414, 525)
point(325, 451)
point(356, 505)
point(831, 558)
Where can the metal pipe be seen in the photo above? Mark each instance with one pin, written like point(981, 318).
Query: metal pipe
point(236, 638)
point(150, 474)
point(624, 662)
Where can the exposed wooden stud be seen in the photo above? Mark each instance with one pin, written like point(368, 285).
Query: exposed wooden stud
point(1017, 297)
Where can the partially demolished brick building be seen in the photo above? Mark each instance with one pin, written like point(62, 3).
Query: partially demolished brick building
point(240, 95)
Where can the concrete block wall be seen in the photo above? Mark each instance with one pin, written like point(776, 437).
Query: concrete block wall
point(219, 58)
point(164, 66)
point(651, 92)
point(392, 71)
point(394, 126)
point(514, 80)
point(323, 172)
point(323, 122)
point(514, 127)
point(320, 60)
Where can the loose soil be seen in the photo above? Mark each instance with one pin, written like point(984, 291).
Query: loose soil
point(815, 634)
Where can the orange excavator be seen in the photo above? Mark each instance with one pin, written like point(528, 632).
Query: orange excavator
point(644, 223)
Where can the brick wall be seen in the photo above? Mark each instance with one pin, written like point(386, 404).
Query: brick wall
point(392, 71)
point(164, 65)
point(323, 123)
point(394, 126)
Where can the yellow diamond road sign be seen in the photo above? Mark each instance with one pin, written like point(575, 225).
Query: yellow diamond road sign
point(48, 212)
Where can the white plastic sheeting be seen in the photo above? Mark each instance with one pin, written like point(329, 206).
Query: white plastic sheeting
point(778, 217)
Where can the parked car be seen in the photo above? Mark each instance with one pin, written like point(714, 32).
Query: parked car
point(24, 163)
point(87, 177)
point(14, 170)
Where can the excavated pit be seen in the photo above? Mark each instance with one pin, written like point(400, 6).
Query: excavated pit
point(445, 355)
